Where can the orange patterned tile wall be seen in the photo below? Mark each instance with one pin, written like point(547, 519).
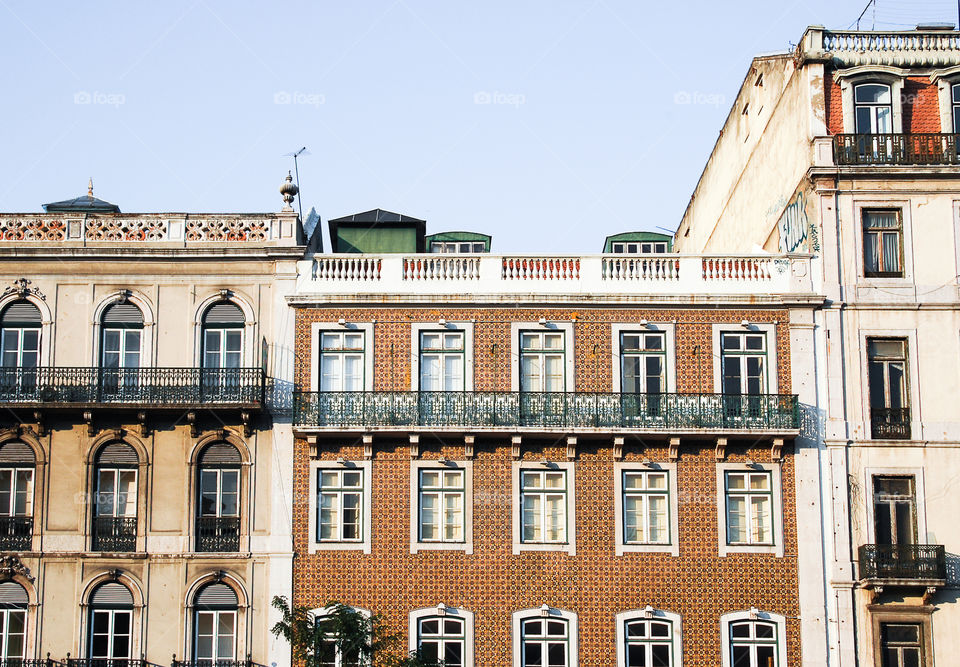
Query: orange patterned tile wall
point(492, 581)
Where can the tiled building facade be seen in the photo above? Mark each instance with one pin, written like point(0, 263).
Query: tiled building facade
point(591, 577)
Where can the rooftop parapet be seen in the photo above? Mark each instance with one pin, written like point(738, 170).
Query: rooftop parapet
point(924, 47)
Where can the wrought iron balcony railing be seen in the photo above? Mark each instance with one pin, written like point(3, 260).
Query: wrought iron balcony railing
point(547, 410)
point(890, 423)
point(918, 562)
point(173, 387)
point(30, 662)
point(106, 662)
point(212, 663)
point(218, 534)
point(896, 149)
point(115, 533)
point(16, 533)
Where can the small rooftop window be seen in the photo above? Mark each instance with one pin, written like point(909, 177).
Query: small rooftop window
point(458, 246)
point(642, 247)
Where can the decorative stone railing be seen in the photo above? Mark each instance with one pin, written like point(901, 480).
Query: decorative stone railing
point(154, 227)
point(849, 48)
point(347, 274)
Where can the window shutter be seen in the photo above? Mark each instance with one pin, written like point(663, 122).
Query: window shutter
point(218, 596)
point(118, 453)
point(16, 452)
point(112, 594)
point(21, 314)
point(224, 313)
point(12, 594)
point(124, 315)
point(218, 453)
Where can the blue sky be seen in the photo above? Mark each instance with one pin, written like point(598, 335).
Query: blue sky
point(546, 124)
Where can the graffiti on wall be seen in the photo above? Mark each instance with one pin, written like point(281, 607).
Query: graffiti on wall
point(797, 233)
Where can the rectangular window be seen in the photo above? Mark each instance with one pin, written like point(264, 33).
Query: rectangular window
point(646, 514)
point(955, 98)
point(458, 246)
point(643, 362)
point(16, 491)
point(743, 363)
point(442, 361)
point(20, 347)
point(441, 638)
point(882, 243)
point(648, 644)
point(116, 492)
point(340, 507)
point(442, 496)
point(894, 509)
point(889, 396)
point(749, 503)
point(219, 492)
point(542, 359)
point(873, 110)
point(901, 645)
point(341, 360)
point(645, 248)
point(222, 348)
point(543, 506)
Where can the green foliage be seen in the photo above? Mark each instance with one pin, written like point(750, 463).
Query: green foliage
point(361, 640)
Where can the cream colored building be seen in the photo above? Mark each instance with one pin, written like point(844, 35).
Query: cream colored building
point(145, 445)
point(847, 148)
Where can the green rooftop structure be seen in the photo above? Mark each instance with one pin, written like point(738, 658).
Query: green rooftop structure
point(638, 242)
point(458, 242)
point(377, 231)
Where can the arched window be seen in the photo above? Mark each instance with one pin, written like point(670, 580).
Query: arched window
point(20, 325)
point(215, 624)
point(13, 621)
point(753, 638)
point(218, 502)
point(442, 638)
point(121, 341)
point(873, 108)
point(545, 637)
point(223, 324)
point(115, 503)
point(17, 464)
point(111, 622)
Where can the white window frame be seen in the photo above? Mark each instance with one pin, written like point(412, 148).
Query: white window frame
point(764, 616)
point(216, 616)
point(906, 242)
point(673, 504)
point(776, 492)
point(15, 469)
point(851, 77)
point(573, 631)
point(570, 546)
point(316, 332)
point(413, 629)
point(5, 633)
point(655, 614)
point(322, 612)
point(364, 544)
point(468, 353)
point(919, 492)
point(668, 329)
point(550, 327)
point(913, 382)
point(772, 384)
point(945, 79)
point(415, 544)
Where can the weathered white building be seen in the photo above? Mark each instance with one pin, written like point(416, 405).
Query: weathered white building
point(847, 148)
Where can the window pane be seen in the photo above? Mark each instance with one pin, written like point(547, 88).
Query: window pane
point(736, 520)
point(429, 478)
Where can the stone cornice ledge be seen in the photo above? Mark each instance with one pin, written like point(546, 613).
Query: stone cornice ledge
point(580, 300)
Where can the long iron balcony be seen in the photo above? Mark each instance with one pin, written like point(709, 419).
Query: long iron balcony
point(907, 564)
point(135, 387)
point(546, 411)
point(896, 149)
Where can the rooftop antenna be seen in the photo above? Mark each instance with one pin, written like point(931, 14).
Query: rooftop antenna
point(295, 155)
point(869, 2)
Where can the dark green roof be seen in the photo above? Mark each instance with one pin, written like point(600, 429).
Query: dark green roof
point(84, 204)
point(638, 236)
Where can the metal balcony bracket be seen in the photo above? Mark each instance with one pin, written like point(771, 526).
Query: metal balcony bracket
point(674, 449)
point(414, 445)
point(194, 426)
point(721, 451)
point(515, 447)
point(368, 446)
point(142, 420)
point(776, 450)
point(88, 418)
point(41, 427)
point(618, 448)
point(468, 442)
point(571, 447)
point(928, 594)
point(312, 443)
point(247, 427)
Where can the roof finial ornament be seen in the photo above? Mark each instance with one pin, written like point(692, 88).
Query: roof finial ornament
point(289, 190)
point(90, 187)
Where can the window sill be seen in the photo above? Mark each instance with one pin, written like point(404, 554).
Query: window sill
point(466, 547)
point(316, 547)
point(772, 549)
point(672, 549)
point(567, 548)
